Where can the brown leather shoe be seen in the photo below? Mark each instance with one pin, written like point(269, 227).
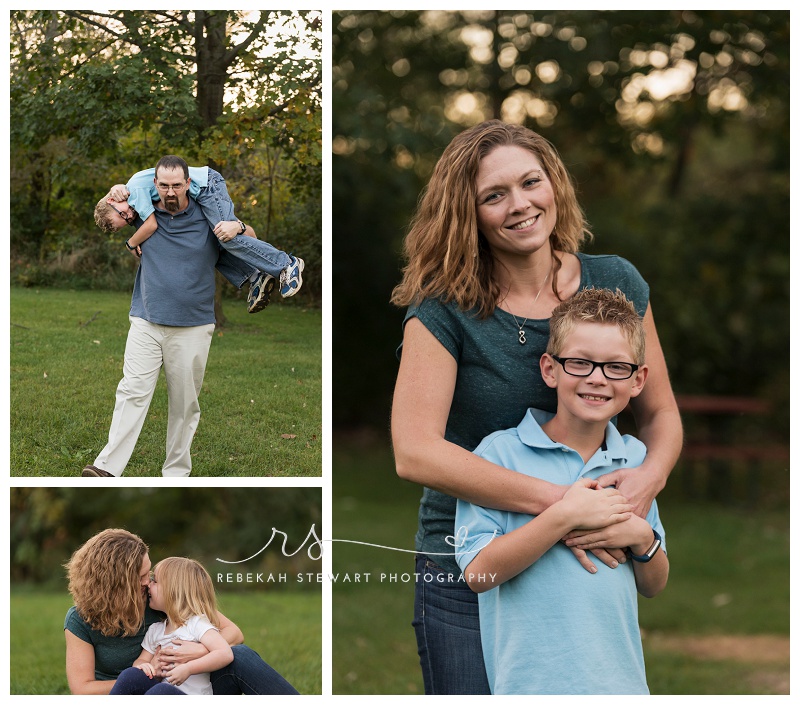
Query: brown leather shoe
point(92, 471)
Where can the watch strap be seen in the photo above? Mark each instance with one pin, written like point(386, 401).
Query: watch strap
point(647, 555)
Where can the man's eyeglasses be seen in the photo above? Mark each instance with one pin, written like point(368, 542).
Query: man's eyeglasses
point(578, 367)
point(177, 188)
point(127, 217)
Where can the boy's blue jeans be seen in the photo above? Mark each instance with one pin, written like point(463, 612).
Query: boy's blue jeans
point(448, 633)
point(242, 255)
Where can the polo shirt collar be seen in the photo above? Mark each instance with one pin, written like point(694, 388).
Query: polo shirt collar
point(531, 434)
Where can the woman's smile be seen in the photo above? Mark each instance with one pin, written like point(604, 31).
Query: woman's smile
point(524, 224)
point(516, 206)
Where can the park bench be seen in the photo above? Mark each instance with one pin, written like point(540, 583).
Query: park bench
point(713, 436)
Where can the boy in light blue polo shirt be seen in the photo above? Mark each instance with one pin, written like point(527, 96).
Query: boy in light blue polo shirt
point(547, 625)
point(207, 187)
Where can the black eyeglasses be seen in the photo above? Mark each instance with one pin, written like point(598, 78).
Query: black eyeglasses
point(127, 217)
point(578, 367)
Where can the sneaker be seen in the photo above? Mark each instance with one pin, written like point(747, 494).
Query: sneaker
point(260, 289)
point(92, 471)
point(291, 277)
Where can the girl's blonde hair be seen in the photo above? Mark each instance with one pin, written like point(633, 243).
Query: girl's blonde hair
point(447, 256)
point(186, 590)
point(105, 582)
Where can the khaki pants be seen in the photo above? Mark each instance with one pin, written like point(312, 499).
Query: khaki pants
point(183, 352)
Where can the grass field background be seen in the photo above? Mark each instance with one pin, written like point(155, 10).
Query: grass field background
point(261, 396)
point(284, 628)
point(720, 627)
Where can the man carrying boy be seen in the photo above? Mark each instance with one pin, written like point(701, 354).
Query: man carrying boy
point(240, 245)
point(547, 625)
point(172, 321)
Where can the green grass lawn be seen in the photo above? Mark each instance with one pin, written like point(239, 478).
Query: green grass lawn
point(729, 578)
point(261, 396)
point(284, 628)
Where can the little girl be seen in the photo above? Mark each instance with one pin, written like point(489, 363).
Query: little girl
point(181, 588)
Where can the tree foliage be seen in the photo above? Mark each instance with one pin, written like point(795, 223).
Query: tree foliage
point(98, 95)
point(674, 124)
point(49, 523)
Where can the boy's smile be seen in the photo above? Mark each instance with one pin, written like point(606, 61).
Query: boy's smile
point(593, 399)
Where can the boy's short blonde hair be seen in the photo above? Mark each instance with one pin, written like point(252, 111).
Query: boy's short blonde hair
point(597, 306)
point(102, 216)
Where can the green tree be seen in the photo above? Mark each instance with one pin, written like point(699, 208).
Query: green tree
point(673, 123)
point(49, 523)
point(119, 88)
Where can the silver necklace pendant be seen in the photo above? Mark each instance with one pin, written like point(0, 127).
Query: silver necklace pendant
point(521, 337)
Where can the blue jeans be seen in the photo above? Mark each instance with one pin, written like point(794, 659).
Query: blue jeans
point(133, 681)
point(448, 633)
point(249, 674)
point(217, 206)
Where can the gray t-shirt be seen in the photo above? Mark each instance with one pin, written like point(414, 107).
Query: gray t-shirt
point(175, 281)
point(498, 379)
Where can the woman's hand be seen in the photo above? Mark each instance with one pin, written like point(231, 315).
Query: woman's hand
point(639, 485)
point(181, 653)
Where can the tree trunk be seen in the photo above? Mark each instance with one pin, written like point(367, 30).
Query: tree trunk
point(209, 38)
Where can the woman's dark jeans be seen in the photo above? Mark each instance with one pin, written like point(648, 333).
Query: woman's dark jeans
point(448, 633)
point(247, 674)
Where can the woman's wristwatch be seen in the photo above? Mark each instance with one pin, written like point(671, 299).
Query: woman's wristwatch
point(243, 228)
point(647, 555)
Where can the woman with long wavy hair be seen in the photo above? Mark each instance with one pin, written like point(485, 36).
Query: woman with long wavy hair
point(109, 577)
point(493, 248)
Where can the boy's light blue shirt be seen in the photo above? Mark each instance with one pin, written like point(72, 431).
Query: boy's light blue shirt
point(143, 190)
point(556, 628)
